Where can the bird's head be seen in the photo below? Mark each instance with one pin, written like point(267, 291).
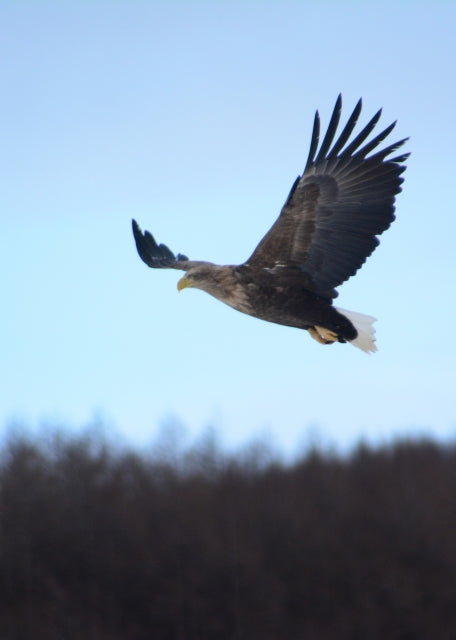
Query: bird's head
point(200, 276)
point(211, 278)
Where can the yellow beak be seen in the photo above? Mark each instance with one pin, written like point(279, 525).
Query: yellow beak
point(183, 283)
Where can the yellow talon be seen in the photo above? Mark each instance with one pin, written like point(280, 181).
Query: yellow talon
point(322, 335)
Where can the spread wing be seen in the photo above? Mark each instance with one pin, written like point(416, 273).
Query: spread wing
point(334, 212)
point(158, 256)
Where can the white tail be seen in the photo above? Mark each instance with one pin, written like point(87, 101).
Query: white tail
point(364, 326)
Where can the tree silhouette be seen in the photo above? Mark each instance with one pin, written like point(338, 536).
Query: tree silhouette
point(99, 542)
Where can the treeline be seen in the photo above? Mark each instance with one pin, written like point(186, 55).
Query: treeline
point(102, 543)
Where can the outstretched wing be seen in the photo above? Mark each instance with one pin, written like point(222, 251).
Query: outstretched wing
point(334, 212)
point(157, 256)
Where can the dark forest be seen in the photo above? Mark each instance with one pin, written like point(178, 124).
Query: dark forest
point(100, 542)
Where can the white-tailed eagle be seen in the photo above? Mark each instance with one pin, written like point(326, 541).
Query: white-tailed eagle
point(327, 228)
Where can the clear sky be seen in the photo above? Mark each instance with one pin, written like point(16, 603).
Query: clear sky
point(195, 118)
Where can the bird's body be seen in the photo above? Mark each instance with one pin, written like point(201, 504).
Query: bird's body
point(324, 233)
point(271, 294)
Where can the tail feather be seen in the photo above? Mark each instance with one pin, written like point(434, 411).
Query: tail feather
point(364, 326)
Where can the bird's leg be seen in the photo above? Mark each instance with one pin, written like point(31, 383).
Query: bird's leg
point(316, 336)
point(322, 335)
point(326, 334)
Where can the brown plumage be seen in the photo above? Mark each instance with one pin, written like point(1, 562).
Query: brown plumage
point(327, 228)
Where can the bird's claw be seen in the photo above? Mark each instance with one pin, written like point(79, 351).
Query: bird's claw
point(322, 335)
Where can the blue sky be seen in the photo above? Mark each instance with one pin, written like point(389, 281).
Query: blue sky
point(195, 118)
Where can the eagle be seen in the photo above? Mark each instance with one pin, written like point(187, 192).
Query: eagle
point(326, 230)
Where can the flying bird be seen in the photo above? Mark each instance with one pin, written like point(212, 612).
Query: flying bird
point(326, 229)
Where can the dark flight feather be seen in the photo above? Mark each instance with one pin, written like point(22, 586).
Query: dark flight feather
point(156, 256)
point(331, 132)
point(348, 129)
